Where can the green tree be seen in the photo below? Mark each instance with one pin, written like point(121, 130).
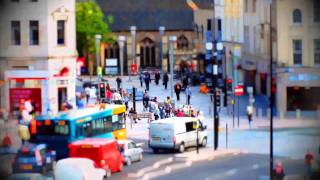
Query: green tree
point(90, 21)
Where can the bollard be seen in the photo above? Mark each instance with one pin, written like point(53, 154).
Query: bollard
point(298, 113)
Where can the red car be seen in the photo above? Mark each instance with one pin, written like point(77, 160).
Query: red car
point(104, 152)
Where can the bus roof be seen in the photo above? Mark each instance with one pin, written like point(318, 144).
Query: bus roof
point(92, 141)
point(82, 113)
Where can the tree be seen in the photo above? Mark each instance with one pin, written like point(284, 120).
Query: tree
point(90, 21)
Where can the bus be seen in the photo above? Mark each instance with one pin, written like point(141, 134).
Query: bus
point(57, 131)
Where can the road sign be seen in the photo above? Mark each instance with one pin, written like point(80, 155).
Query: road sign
point(238, 90)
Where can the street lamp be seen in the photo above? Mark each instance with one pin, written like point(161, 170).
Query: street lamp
point(98, 70)
point(121, 41)
point(133, 45)
point(161, 31)
point(172, 39)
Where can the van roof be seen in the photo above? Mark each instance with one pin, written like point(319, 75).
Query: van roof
point(174, 120)
point(93, 141)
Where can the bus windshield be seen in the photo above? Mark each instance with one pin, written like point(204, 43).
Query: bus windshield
point(48, 127)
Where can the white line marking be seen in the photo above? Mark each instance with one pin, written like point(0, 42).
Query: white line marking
point(231, 172)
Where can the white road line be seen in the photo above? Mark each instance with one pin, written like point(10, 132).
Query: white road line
point(231, 172)
point(255, 166)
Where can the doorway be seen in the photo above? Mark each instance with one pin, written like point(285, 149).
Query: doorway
point(62, 97)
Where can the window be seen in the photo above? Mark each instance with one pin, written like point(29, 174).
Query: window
point(182, 42)
point(61, 32)
point(297, 52)
point(296, 15)
point(316, 10)
point(246, 6)
point(15, 33)
point(317, 51)
point(254, 3)
point(34, 32)
point(189, 126)
point(208, 24)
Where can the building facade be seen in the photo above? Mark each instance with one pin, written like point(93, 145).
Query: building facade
point(298, 55)
point(38, 53)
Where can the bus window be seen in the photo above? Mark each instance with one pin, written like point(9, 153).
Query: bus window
point(118, 121)
point(54, 128)
point(88, 129)
point(107, 123)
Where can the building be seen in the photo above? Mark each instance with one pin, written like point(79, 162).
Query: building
point(180, 18)
point(37, 53)
point(298, 55)
point(256, 46)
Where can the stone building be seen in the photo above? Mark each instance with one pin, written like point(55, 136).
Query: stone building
point(37, 53)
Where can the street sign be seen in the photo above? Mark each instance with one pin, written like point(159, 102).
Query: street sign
point(238, 90)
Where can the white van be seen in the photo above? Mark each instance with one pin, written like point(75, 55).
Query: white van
point(176, 133)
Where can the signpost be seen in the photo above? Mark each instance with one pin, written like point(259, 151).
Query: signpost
point(238, 91)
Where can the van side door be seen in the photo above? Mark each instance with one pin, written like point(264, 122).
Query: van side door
point(191, 134)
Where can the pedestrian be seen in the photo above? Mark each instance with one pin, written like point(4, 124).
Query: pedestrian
point(177, 90)
point(147, 80)
point(180, 113)
point(167, 107)
point(133, 114)
point(278, 172)
point(185, 82)
point(165, 80)
point(118, 82)
point(87, 92)
point(307, 160)
point(125, 97)
point(157, 77)
point(145, 100)
point(117, 98)
point(188, 95)
point(109, 96)
point(161, 112)
point(141, 78)
point(249, 114)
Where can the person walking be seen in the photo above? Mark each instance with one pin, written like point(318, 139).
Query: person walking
point(141, 78)
point(87, 92)
point(147, 80)
point(307, 160)
point(185, 82)
point(249, 114)
point(157, 77)
point(118, 82)
point(145, 100)
point(177, 90)
point(165, 80)
point(188, 95)
point(278, 172)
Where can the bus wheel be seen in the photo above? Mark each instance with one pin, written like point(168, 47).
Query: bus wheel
point(155, 150)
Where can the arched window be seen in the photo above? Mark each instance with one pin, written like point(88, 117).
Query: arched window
point(297, 17)
point(147, 53)
point(182, 42)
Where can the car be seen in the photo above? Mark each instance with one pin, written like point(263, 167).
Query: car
point(78, 169)
point(176, 133)
point(104, 152)
point(28, 176)
point(130, 151)
point(33, 158)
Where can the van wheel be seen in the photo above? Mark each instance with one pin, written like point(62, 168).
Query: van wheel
point(140, 157)
point(204, 142)
point(181, 148)
point(155, 150)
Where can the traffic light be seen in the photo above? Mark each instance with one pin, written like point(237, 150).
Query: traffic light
point(217, 100)
point(102, 90)
point(229, 85)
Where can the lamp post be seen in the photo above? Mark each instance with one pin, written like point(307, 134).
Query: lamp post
point(98, 68)
point(271, 96)
point(161, 32)
point(172, 39)
point(121, 41)
point(133, 45)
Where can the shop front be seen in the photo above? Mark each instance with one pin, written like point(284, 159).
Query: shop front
point(298, 89)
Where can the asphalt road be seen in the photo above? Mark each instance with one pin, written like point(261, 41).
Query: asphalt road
point(242, 166)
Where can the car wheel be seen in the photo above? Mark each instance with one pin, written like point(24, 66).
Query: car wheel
point(128, 161)
point(204, 142)
point(181, 148)
point(140, 157)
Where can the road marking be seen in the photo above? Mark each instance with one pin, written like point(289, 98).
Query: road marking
point(255, 166)
point(231, 172)
point(156, 165)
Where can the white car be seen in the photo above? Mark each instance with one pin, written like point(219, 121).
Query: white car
point(130, 151)
point(78, 169)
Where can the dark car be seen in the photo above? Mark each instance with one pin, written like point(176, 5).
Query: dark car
point(33, 158)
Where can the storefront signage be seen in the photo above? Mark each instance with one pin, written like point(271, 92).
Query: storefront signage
point(62, 82)
point(16, 94)
point(303, 77)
